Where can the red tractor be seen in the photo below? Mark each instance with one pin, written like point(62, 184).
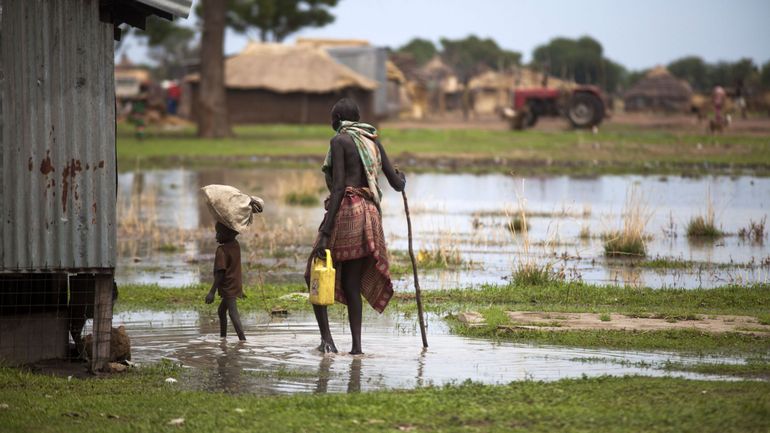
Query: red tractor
point(583, 106)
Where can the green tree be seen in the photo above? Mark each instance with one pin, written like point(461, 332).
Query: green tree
point(169, 45)
point(580, 59)
point(693, 70)
point(468, 56)
point(274, 20)
point(765, 77)
point(421, 50)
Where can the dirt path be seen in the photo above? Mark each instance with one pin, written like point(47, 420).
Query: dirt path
point(546, 321)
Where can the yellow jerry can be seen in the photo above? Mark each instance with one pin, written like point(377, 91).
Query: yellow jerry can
point(322, 278)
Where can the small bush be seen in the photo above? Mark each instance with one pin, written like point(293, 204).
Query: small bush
point(532, 274)
point(700, 227)
point(630, 239)
point(621, 243)
point(605, 318)
point(301, 199)
point(169, 248)
point(585, 232)
point(516, 224)
point(755, 231)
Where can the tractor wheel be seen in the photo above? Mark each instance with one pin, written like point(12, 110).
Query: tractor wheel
point(585, 110)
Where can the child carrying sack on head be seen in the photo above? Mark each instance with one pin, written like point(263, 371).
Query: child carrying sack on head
point(232, 209)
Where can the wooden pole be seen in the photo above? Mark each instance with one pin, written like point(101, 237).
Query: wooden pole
point(414, 271)
point(102, 322)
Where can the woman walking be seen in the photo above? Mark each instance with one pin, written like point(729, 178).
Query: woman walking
point(352, 226)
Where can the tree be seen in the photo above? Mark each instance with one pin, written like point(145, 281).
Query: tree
point(277, 19)
point(421, 50)
point(765, 77)
point(580, 59)
point(212, 105)
point(170, 45)
point(693, 70)
point(468, 56)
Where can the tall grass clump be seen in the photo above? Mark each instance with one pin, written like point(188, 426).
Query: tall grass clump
point(629, 241)
point(704, 226)
point(755, 231)
point(528, 271)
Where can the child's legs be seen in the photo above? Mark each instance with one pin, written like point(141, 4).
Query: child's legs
point(232, 308)
point(222, 311)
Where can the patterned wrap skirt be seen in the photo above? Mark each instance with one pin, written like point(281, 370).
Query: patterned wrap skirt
point(357, 233)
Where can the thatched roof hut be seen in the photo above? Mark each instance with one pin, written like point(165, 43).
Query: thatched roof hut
point(276, 83)
point(492, 89)
point(658, 91)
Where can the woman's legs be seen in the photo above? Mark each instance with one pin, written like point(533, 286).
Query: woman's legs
point(322, 317)
point(352, 271)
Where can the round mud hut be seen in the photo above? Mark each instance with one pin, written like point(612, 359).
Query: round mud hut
point(277, 83)
point(659, 91)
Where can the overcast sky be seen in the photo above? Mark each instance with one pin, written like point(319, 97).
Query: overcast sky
point(637, 33)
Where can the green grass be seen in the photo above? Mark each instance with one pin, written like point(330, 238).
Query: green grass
point(700, 227)
point(301, 199)
point(142, 402)
point(619, 150)
point(678, 340)
point(753, 368)
point(753, 300)
point(534, 274)
point(152, 297)
point(169, 248)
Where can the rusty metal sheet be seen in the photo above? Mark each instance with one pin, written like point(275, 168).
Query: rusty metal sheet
point(58, 171)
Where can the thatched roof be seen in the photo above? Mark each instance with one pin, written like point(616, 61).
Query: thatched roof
point(394, 73)
point(331, 43)
point(520, 78)
point(289, 68)
point(659, 83)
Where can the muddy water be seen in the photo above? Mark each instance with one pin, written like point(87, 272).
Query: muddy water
point(465, 215)
point(279, 356)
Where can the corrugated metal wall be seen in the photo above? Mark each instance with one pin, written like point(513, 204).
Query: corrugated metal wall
point(369, 62)
point(58, 173)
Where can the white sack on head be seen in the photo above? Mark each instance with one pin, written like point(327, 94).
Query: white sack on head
point(230, 206)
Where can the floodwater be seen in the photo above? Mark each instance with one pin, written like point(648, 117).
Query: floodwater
point(462, 215)
point(279, 356)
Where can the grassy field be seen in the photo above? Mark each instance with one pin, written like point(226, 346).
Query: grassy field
point(493, 301)
point(616, 149)
point(140, 401)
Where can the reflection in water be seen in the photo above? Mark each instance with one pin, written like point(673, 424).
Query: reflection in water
point(281, 358)
point(468, 214)
point(354, 378)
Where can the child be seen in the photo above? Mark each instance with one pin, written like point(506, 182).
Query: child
point(227, 279)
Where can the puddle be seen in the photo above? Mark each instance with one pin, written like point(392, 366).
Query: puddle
point(460, 212)
point(279, 357)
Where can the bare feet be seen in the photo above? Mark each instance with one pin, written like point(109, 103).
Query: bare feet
point(327, 347)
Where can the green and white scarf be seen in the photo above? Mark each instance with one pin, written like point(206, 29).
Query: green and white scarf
point(365, 136)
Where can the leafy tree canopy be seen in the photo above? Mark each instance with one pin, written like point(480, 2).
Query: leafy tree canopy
point(470, 55)
point(421, 50)
point(274, 20)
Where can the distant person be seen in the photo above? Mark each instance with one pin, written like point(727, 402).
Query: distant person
point(228, 280)
point(173, 94)
point(740, 98)
point(352, 226)
point(718, 98)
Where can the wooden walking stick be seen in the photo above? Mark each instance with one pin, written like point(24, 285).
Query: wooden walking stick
point(414, 271)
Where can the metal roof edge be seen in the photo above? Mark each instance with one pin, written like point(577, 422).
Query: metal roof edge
point(180, 8)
